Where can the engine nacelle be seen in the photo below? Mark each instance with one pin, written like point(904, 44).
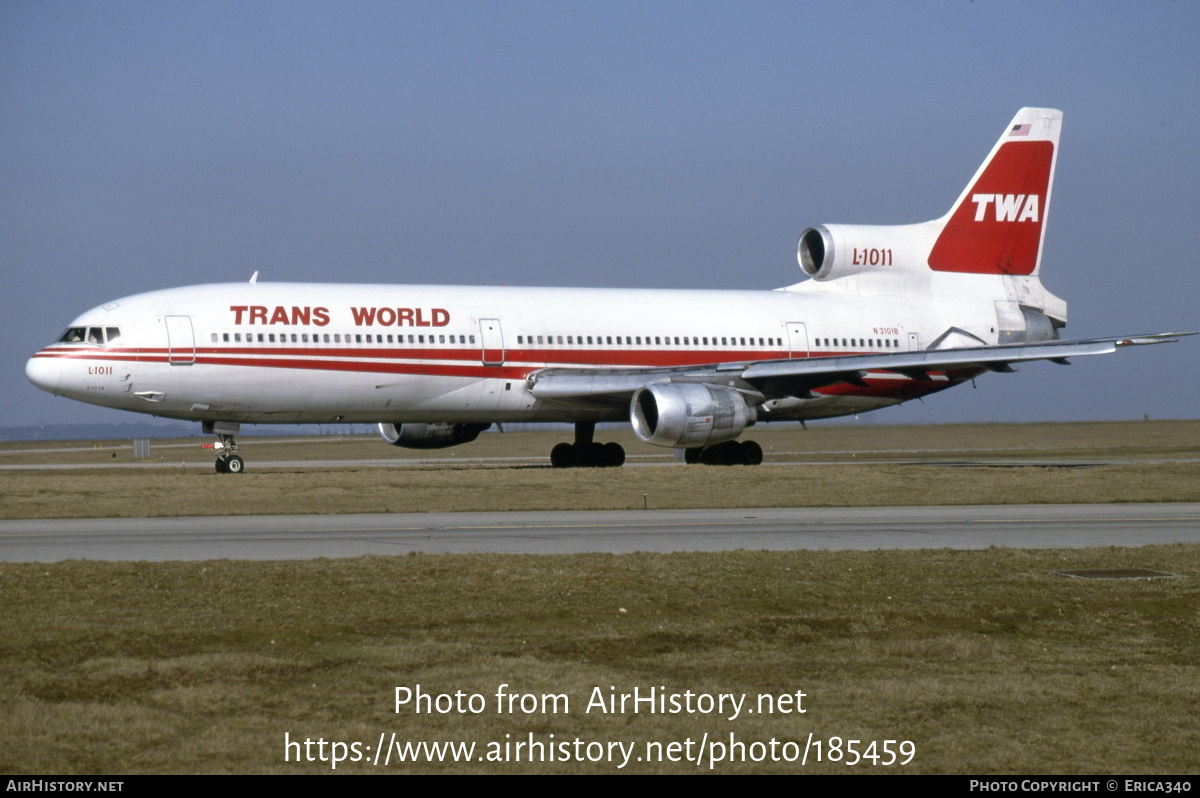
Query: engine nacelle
point(430, 436)
point(689, 414)
point(830, 251)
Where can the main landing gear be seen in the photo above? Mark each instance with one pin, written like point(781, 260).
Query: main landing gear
point(727, 453)
point(583, 453)
point(228, 461)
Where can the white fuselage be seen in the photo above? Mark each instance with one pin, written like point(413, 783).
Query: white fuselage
point(293, 353)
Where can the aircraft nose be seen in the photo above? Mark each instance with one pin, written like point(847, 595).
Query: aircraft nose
point(45, 373)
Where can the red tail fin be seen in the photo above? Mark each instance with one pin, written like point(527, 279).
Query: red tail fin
point(996, 227)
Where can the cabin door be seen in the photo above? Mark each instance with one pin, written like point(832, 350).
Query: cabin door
point(493, 342)
point(797, 335)
point(181, 343)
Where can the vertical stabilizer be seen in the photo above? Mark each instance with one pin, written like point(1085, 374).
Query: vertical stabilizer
point(997, 225)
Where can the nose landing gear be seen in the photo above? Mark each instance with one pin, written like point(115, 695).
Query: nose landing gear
point(228, 462)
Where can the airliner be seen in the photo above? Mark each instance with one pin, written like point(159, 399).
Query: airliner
point(887, 314)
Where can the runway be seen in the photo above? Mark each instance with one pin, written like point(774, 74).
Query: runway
point(311, 536)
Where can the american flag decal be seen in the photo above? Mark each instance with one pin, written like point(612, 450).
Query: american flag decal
point(1020, 130)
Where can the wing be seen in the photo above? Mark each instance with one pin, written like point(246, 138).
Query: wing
point(798, 377)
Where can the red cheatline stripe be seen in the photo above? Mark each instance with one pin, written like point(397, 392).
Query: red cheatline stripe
point(583, 357)
point(885, 384)
point(433, 369)
point(546, 357)
point(419, 361)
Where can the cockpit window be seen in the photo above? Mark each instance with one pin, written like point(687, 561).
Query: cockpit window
point(90, 335)
point(74, 335)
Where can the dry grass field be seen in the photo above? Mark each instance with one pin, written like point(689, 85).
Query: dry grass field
point(825, 466)
point(988, 662)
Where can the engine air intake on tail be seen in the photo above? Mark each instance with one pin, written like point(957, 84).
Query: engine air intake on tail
point(829, 251)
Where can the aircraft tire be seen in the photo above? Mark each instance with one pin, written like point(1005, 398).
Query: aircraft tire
point(718, 454)
point(563, 456)
point(752, 453)
point(235, 465)
point(692, 456)
point(591, 456)
point(614, 455)
point(222, 466)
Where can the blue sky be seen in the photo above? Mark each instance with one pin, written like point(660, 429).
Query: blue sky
point(147, 145)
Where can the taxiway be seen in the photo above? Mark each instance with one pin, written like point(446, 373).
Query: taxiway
point(866, 528)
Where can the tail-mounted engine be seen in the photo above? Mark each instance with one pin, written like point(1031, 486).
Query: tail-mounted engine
point(689, 414)
point(830, 251)
point(430, 436)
